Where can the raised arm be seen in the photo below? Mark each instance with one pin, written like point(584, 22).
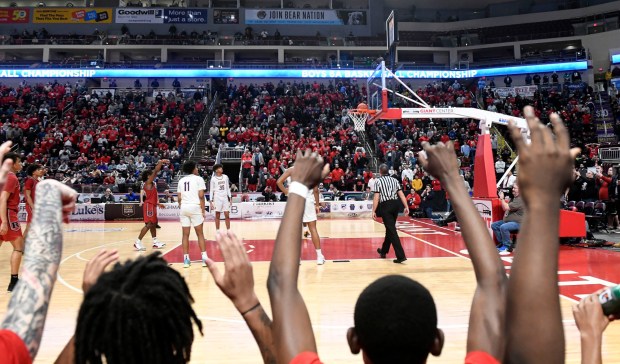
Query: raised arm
point(30, 300)
point(535, 333)
point(487, 317)
point(591, 322)
point(237, 283)
point(292, 329)
point(156, 170)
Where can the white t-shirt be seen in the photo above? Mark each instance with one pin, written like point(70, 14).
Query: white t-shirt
point(188, 187)
point(500, 166)
point(219, 188)
point(371, 183)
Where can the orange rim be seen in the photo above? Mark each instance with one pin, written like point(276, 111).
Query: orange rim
point(362, 111)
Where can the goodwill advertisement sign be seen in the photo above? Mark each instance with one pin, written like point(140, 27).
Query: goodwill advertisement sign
point(304, 17)
point(161, 16)
point(72, 15)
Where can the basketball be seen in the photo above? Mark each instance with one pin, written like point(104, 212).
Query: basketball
point(362, 107)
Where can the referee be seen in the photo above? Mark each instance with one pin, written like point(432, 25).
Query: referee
point(386, 205)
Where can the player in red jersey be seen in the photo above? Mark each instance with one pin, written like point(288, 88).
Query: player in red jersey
point(149, 206)
point(10, 230)
point(34, 172)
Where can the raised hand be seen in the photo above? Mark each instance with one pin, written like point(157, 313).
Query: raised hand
point(591, 323)
point(439, 160)
point(589, 317)
point(546, 165)
point(96, 266)
point(237, 280)
point(309, 169)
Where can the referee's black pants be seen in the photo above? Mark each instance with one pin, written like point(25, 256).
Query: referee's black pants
point(389, 213)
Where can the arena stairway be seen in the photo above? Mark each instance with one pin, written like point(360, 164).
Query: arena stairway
point(195, 152)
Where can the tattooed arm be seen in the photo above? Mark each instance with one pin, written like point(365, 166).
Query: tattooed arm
point(30, 300)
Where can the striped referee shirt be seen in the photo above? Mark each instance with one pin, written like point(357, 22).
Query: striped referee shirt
point(387, 187)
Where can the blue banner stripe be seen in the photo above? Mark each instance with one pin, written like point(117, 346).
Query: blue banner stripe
point(285, 73)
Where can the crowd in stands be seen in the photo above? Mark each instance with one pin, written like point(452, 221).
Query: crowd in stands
point(395, 318)
point(94, 142)
point(271, 121)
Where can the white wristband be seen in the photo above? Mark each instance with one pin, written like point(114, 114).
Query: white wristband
point(298, 189)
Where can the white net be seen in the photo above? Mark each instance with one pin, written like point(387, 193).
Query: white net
point(359, 119)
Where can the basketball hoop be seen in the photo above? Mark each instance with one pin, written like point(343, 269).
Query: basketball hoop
point(360, 116)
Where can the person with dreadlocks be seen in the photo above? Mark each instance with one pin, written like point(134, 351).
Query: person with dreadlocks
point(139, 312)
point(149, 206)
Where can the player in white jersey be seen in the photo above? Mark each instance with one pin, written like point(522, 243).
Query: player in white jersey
point(310, 212)
point(220, 196)
point(191, 196)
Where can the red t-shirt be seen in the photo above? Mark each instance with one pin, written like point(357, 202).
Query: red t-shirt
point(13, 349)
point(12, 186)
point(475, 357)
point(306, 358)
point(480, 357)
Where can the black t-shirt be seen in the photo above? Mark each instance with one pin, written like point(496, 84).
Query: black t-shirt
point(253, 179)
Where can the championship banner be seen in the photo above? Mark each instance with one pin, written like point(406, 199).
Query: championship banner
point(304, 17)
point(14, 15)
point(72, 15)
point(350, 208)
point(524, 91)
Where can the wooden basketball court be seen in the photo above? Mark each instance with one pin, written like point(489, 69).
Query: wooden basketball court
point(437, 258)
